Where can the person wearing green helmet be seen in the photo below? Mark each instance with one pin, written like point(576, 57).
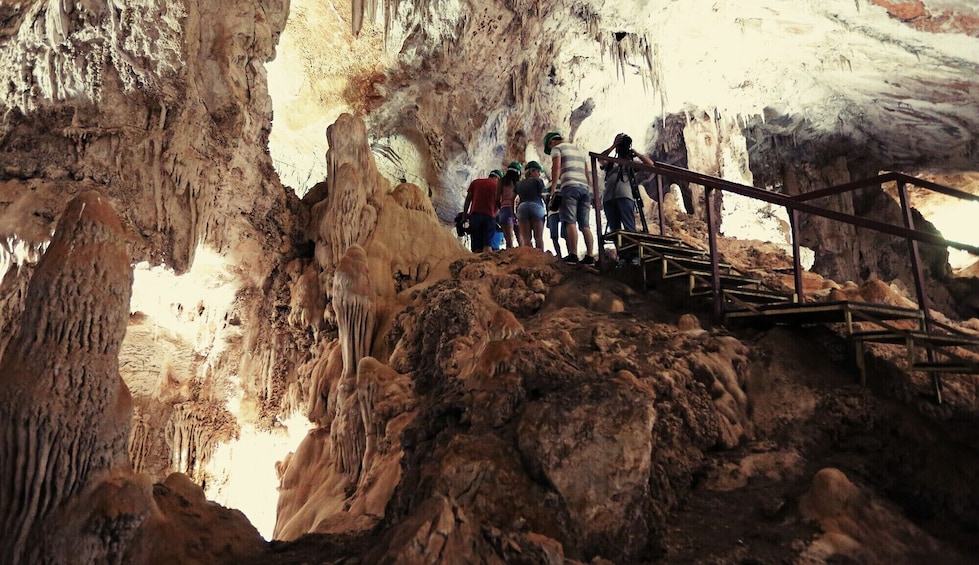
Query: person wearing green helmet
point(530, 211)
point(569, 170)
point(505, 201)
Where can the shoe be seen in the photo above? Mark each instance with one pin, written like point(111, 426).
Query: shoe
point(588, 260)
point(571, 259)
point(635, 261)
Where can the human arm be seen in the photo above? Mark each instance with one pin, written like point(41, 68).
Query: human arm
point(467, 203)
point(555, 172)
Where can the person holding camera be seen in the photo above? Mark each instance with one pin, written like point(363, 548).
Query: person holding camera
point(621, 189)
point(619, 196)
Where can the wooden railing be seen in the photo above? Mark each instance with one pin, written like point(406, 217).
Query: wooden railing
point(795, 205)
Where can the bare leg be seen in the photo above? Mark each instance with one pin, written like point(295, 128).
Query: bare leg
point(508, 235)
point(589, 240)
point(524, 228)
point(572, 239)
point(538, 227)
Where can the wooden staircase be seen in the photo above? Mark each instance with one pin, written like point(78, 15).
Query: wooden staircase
point(669, 263)
point(931, 348)
point(665, 260)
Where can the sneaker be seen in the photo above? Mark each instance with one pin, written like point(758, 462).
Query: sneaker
point(588, 260)
point(571, 259)
point(635, 261)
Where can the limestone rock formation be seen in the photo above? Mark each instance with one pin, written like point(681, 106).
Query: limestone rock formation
point(858, 526)
point(66, 411)
point(68, 490)
point(501, 408)
point(369, 252)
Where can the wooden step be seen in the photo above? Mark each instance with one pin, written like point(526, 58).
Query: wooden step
point(728, 280)
point(683, 264)
point(940, 367)
point(632, 240)
point(808, 313)
point(748, 295)
point(917, 336)
point(648, 250)
point(642, 237)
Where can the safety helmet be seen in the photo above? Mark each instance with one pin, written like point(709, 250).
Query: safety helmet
point(548, 138)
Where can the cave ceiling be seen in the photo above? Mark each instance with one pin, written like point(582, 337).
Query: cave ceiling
point(452, 88)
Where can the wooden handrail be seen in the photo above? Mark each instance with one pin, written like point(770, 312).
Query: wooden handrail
point(791, 203)
point(885, 178)
point(796, 204)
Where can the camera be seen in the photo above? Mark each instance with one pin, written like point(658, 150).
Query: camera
point(623, 146)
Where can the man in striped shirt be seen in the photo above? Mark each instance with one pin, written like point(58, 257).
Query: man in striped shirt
point(569, 170)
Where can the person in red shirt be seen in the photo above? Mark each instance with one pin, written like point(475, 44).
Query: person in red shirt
point(480, 207)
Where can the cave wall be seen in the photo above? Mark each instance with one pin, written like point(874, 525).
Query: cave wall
point(163, 107)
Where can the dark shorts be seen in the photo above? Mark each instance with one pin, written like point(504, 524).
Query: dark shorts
point(481, 230)
point(556, 226)
point(506, 216)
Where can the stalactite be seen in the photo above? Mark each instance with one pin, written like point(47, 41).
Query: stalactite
point(348, 215)
point(138, 444)
point(347, 434)
point(357, 16)
point(354, 303)
point(16, 251)
point(194, 432)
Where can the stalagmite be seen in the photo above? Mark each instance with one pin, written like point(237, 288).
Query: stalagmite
point(383, 394)
point(353, 301)
point(64, 410)
point(348, 215)
point(347, 434)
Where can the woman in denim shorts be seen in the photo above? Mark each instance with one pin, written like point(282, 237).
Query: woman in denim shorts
point(530, 211)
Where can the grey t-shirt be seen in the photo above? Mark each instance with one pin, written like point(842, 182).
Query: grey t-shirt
point(616, 185)
point(572, 164)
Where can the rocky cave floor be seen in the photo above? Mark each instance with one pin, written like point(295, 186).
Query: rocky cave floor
point(808, 412)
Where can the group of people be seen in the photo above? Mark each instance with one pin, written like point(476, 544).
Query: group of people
point(503, 200)
point(565, 204)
